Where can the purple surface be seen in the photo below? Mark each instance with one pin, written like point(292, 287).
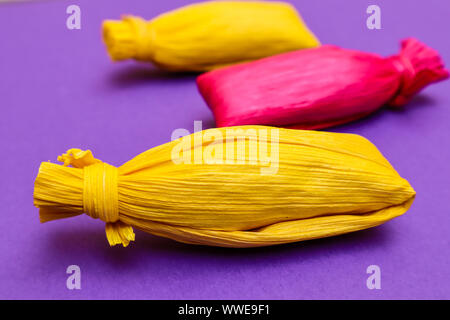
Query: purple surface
point(59, 90)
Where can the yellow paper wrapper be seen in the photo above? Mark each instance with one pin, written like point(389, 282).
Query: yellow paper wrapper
point(208, 35)
point(234, 187)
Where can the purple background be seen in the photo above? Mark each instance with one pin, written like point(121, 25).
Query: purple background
point(59, 90)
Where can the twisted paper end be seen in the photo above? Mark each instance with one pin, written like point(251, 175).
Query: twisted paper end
point(129, 38)
point(119, 233)
point(419, 65)
point(62, 192)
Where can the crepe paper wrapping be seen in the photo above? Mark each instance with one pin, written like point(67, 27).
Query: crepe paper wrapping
point(318, 88)
point(204, 36)
point(226, 192)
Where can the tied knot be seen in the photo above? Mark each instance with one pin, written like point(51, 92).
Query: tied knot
point(407, 77)
point(144, 38)
point(405, 68)
point(100, 195)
